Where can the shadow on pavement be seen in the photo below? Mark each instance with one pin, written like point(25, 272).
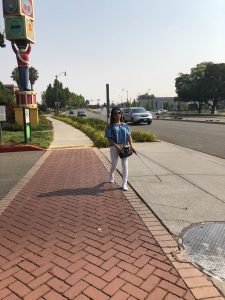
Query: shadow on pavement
point(80, 191)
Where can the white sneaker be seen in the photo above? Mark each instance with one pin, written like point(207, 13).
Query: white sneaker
point(111, 178)
point(125, 187)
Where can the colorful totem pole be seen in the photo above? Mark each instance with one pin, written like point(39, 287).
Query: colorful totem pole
point(19, 29)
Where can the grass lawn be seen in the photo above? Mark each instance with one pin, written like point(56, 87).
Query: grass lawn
point(39, 138)
point(42, 136)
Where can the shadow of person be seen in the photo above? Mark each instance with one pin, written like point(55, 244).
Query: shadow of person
point(98, 189)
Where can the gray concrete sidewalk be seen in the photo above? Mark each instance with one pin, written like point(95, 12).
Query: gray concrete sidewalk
point(192, 189)
point(66, 136)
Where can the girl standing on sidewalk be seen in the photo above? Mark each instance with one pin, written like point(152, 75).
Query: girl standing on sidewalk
point(119, 135)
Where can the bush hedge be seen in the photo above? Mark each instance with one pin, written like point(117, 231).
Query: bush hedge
point(95, 130)
point(44, 124)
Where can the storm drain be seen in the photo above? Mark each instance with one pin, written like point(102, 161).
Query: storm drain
point(205, 245)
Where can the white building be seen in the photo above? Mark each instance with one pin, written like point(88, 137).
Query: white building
point(160, 103)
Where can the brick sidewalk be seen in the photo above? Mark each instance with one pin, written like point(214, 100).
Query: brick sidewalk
point(69, 234)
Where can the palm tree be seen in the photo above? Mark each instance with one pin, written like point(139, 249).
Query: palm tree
point(2, 40)
point(33, 76)
point(15, 76)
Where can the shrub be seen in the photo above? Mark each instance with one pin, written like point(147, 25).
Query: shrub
point(11, 127)
point(95, 130)
point(44, 124)
point(143, 136)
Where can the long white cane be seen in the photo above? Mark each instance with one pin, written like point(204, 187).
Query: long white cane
point(147, 166)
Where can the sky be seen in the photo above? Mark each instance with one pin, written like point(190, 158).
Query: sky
point(135, 46)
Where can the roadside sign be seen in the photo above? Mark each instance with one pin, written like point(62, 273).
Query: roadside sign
point(2, 118)
point(26, 123)
point(2, 113)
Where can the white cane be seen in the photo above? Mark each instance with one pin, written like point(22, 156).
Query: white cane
point(147, 166)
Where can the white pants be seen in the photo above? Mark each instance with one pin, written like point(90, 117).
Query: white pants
point(124, 163)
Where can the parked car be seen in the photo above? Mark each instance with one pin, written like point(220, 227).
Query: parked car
point(163, 111)
point(81, 113)
point(158, 111)
point(136, 115)
point(72, 113)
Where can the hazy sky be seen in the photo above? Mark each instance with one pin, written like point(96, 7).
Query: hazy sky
point(136, 45)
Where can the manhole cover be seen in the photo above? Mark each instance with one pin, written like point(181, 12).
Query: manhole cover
point(205, 245)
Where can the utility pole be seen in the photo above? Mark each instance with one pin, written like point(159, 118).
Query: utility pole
point(57, 97)
point(107, 102)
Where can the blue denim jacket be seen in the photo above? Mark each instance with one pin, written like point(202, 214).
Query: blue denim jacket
point(118, 133)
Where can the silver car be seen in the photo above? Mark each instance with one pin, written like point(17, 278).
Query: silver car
point(136, 115)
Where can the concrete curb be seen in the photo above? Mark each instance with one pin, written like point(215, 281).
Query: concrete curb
point(21, 148)
point(193, 121)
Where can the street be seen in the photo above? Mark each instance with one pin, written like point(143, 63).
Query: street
point(204, 137)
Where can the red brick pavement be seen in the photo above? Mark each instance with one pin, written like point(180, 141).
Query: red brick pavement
point(69, 234)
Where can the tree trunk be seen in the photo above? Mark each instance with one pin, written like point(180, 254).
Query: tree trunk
point(213, 107)
point(200, 103)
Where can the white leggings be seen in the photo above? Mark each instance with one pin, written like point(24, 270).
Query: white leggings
point(114, 160)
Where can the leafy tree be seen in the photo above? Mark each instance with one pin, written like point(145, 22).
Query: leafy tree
point(33, 76)
point(15, 76)
point(5, 96)
point(215, 82)
point(148, 100)
point(49, 96)
point(2, 40)
point(76, 100)
point(63, 95)
point(205, 84)
point(87, 102)
point(135, 103)
point(191, 87)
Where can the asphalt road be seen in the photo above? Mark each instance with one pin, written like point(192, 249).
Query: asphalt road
point(204, 137)
point(14, 166)
point(207, 138)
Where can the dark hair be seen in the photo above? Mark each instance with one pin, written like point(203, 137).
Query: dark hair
point(112, 115)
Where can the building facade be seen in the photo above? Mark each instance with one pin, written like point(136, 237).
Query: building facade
point(157, 103)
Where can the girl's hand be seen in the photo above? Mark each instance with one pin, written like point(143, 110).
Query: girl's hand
point(118, 148)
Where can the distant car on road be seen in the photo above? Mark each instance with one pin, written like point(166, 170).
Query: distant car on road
point(136, 115)
point(163, 111)
point(81, 113)
point(158, 111)
point(72, 113)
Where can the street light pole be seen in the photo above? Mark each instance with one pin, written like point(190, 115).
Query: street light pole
point(57, 100)
point(123, 90)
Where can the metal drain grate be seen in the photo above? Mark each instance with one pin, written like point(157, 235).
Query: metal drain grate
point(205, 245)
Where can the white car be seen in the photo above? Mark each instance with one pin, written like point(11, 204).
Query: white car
point(136, 115)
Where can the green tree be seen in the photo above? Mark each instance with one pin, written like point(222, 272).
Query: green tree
point(2, 40)
point(192, 87)
point(76, 100)
point(204, 84)
point(134, 103)
point(5, 96)
point(215, 82)
point(49, 96)
point(147, 100)
point(15, 76)
point(33, 76)
point(63, 95)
